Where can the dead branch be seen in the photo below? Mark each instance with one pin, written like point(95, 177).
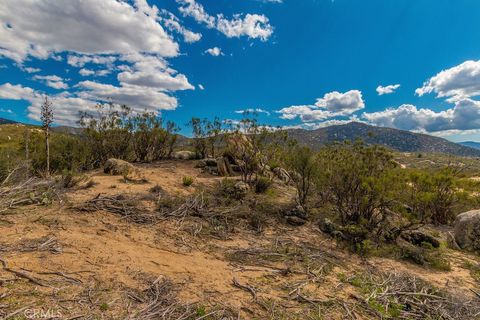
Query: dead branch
point(127, 208)
point(30, 191)
point(22, 274)
point(249, 289)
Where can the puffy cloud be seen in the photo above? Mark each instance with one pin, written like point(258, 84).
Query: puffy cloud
point(459, 82)
point(52, 81)
point(305, 113)
point(150, 71)
point(215, 51)
point(63, 104)
point(251, 25)
point(93, 40)
point(31, 70)
point(322, 124)
point(172, 23)
point(16, 92)
point(252, 110)
point(137, 97)
point(381, 90)
point(80, 61)
point(88, 72)
point(465, 115)
point(332, 104)
point(201, 87)
point(67, 105)
point(342, 103)
point(42, 28)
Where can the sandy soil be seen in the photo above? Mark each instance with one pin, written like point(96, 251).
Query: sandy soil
point(95, 259)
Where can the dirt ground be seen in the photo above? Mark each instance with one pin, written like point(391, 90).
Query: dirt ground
point(97, 265)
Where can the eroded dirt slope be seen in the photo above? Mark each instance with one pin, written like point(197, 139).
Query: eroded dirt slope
point(99, 265)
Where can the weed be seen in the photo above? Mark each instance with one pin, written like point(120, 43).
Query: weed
point(187, 181)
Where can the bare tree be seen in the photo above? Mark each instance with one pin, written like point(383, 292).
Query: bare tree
point(47, 118)
point(26, 140)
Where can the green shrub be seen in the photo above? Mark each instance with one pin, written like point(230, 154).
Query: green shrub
point(187, 181)
point(230, 188)
point(302, 161)
point(425, 256)
point(262, 184)
point(361, 185)
point(432, 195)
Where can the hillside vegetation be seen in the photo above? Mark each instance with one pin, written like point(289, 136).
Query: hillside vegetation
point(398, 140)
point(244, 224)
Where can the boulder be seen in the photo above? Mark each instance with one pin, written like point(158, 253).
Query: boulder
point(201, 164)
point(467, 230)
point(210, 162)
point(224, 168)
point(207, 162)
point(118, 167)
point(295, 221)
point(282, 174)
point(242, 187)
point(418, 238)
point(298, 211)
point(327, 226)
point(184, 155)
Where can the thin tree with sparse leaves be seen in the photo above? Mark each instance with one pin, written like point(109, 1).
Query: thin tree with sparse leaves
point(46, 116)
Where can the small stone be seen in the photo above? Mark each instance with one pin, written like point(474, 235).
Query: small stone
point(295, 221)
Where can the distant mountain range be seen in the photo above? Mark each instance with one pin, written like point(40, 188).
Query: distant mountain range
point(399, 140)
point(7, 121)
point(471, 144)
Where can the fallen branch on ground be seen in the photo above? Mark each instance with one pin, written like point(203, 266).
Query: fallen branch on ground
point(120, 205)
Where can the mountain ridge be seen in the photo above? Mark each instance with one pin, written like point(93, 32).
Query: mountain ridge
point(395, 139)
point(398, 140)
point(471, 144)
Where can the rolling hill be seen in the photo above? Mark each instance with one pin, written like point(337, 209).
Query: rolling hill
point(399, 140)
point(471, 144)
point(7, 121)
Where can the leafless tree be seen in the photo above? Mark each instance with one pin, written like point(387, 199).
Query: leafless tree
point(47, 119)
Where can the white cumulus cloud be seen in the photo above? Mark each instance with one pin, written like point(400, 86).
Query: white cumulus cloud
point(465, 115)
point(459, 82)
point(215, 51)
point(332, 104)
point(253, 26)
point(381, 90)
point(43, 28)
point(52, 81)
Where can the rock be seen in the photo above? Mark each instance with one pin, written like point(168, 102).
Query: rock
point(118, 167)
point(184, 155)
point(298, 211)
point(223, 166)
point(211, 170)
point(241, 187)
point(295, 221)
point(327, 226)
point(451, 242)
point(418, 238)
point(467, 230)
point(210, 162)
point(207, 162)
point(282, 174)
point(201, 164)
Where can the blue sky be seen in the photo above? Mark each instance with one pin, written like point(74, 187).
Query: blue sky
point(300, 63)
